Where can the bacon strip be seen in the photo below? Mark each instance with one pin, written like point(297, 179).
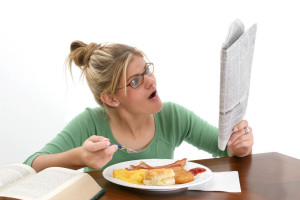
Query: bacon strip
point(143, 165)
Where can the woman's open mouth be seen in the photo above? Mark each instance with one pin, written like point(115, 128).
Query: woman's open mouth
point(152, 95)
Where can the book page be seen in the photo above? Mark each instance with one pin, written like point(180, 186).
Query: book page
point(236, 61)
point(40, 184)
point(83, 186)
point(13, 173)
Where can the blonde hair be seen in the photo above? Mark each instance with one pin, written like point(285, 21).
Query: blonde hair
point(102, 65)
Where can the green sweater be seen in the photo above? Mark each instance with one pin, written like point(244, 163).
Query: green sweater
point(173, 125)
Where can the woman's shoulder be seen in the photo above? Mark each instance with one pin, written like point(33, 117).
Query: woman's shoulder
point(171, 106)
point(172, 110)
point(175, 112)
point(96, 112)
point(89, 113)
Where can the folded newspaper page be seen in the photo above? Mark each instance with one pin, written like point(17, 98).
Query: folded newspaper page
point(236, 61)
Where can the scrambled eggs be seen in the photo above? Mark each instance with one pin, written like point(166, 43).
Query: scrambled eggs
point(135, 176)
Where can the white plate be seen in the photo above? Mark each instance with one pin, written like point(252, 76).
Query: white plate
point(199, 179)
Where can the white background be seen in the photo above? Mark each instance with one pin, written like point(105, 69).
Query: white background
point(183, 40)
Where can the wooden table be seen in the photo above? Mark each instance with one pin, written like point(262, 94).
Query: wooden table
point(262, 176)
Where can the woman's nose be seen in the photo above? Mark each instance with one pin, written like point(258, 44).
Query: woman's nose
point(149, 81)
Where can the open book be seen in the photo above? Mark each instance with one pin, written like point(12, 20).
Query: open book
point(19, 181)
point(236, 61)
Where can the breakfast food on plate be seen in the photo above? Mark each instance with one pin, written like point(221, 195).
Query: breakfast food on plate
point(182, 175)
point(143, 165)
point(136, 176)
point(159, 177)
point(169, 174)
point(197, 170)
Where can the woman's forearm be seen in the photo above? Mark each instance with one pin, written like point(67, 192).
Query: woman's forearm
point(69, 159)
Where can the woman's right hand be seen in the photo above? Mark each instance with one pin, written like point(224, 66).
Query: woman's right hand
point(96, 152)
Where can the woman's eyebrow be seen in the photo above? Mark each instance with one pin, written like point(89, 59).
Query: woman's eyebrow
point(133, 76)
point(137, 74)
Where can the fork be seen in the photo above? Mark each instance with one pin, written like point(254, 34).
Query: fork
point(121, 147)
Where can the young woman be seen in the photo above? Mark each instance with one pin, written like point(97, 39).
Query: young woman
point(130, 114)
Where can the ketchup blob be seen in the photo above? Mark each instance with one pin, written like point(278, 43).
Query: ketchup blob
point(197, 170)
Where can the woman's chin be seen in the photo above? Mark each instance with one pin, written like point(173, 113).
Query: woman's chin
point(158, 105)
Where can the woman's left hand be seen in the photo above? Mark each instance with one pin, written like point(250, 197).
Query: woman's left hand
point(241, 141)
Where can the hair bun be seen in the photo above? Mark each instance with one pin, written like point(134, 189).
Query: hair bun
point(81, 52)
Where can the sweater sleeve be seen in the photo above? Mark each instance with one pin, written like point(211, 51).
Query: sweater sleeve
point(72, 136)
point(195, 131)
point(204, 136)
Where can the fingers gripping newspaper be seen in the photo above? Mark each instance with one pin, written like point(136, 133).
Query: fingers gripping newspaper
point(236, 61)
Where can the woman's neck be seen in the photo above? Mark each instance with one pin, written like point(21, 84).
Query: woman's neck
point(135, 132)
point(133, 125)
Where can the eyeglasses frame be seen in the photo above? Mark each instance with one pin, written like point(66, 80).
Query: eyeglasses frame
point(140, 75)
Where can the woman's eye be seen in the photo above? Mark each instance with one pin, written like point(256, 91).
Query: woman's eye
point(134, 82)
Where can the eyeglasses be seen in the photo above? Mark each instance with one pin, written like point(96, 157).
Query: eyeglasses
point(139, 79)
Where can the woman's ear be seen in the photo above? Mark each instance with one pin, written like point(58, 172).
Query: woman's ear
point(109, 100)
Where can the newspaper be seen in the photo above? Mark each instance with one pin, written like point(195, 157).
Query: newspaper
point(236, 61)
